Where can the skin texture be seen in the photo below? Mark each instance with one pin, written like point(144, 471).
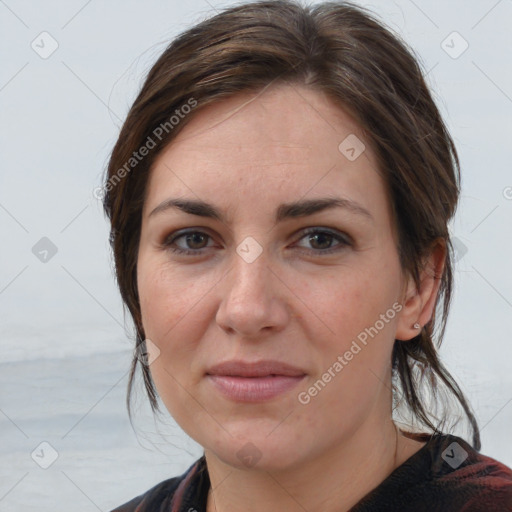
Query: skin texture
point(247, 155)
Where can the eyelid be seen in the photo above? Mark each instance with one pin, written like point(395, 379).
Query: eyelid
point(181, 233)
point(330, 231)
point(343, 240)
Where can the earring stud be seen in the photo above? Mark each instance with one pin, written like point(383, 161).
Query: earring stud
point(417, 325)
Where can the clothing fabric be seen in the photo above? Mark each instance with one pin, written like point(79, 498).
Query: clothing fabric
point(445, 475)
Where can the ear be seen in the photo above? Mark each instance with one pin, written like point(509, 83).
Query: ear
point(418, 304)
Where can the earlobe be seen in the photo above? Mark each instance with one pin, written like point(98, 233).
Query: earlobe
point(408, 325)
point(419, 302)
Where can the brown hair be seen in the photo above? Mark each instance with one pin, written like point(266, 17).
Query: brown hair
point(339, 49)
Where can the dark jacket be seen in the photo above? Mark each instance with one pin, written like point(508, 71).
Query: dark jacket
point(445, 475)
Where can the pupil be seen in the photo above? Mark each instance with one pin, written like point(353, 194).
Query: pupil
point(321, 235)
point(194, 238)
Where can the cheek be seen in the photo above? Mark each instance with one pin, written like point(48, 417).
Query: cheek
point(358, 311)
point(176, 310)
point(166, 299)
point(350, 300)
point(354, 362)
point(169, 307)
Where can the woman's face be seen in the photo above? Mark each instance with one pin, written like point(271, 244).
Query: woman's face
point(318, 289)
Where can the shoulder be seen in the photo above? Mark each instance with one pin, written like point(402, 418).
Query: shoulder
point(466, 474)
point(160, 496)
point(458, 476)
point(161, 491)
point(445, 474)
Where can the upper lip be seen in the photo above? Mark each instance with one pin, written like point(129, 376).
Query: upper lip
point(237, 368)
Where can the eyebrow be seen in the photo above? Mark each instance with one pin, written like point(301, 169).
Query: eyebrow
point(297, 209)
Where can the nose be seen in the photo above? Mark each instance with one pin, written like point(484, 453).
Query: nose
point(254, 300)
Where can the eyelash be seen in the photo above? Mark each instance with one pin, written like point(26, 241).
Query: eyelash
point(343, 239)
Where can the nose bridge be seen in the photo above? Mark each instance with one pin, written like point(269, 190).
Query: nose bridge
point(249, 302)
point(250, 272)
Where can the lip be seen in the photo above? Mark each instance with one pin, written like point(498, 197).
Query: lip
point(258, 381)
point(264, 368)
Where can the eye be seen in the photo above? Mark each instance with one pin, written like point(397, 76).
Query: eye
point(194, 242)
point(323, 240)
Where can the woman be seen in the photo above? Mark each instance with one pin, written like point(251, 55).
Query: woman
point(279, 197)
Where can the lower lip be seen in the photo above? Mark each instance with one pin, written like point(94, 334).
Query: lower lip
point(253, 389)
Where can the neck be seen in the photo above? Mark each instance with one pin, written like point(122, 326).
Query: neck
point(332, 482)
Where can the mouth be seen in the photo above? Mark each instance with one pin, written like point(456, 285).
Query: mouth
point(254, 382)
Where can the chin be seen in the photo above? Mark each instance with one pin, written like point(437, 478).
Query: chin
point(255, 450)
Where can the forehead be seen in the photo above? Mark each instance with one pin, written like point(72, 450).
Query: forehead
point(283, 141)
point(280, 118)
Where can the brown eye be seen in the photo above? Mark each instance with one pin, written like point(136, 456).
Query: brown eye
point(322, 240)
point(325, 240)
point(193, 242)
